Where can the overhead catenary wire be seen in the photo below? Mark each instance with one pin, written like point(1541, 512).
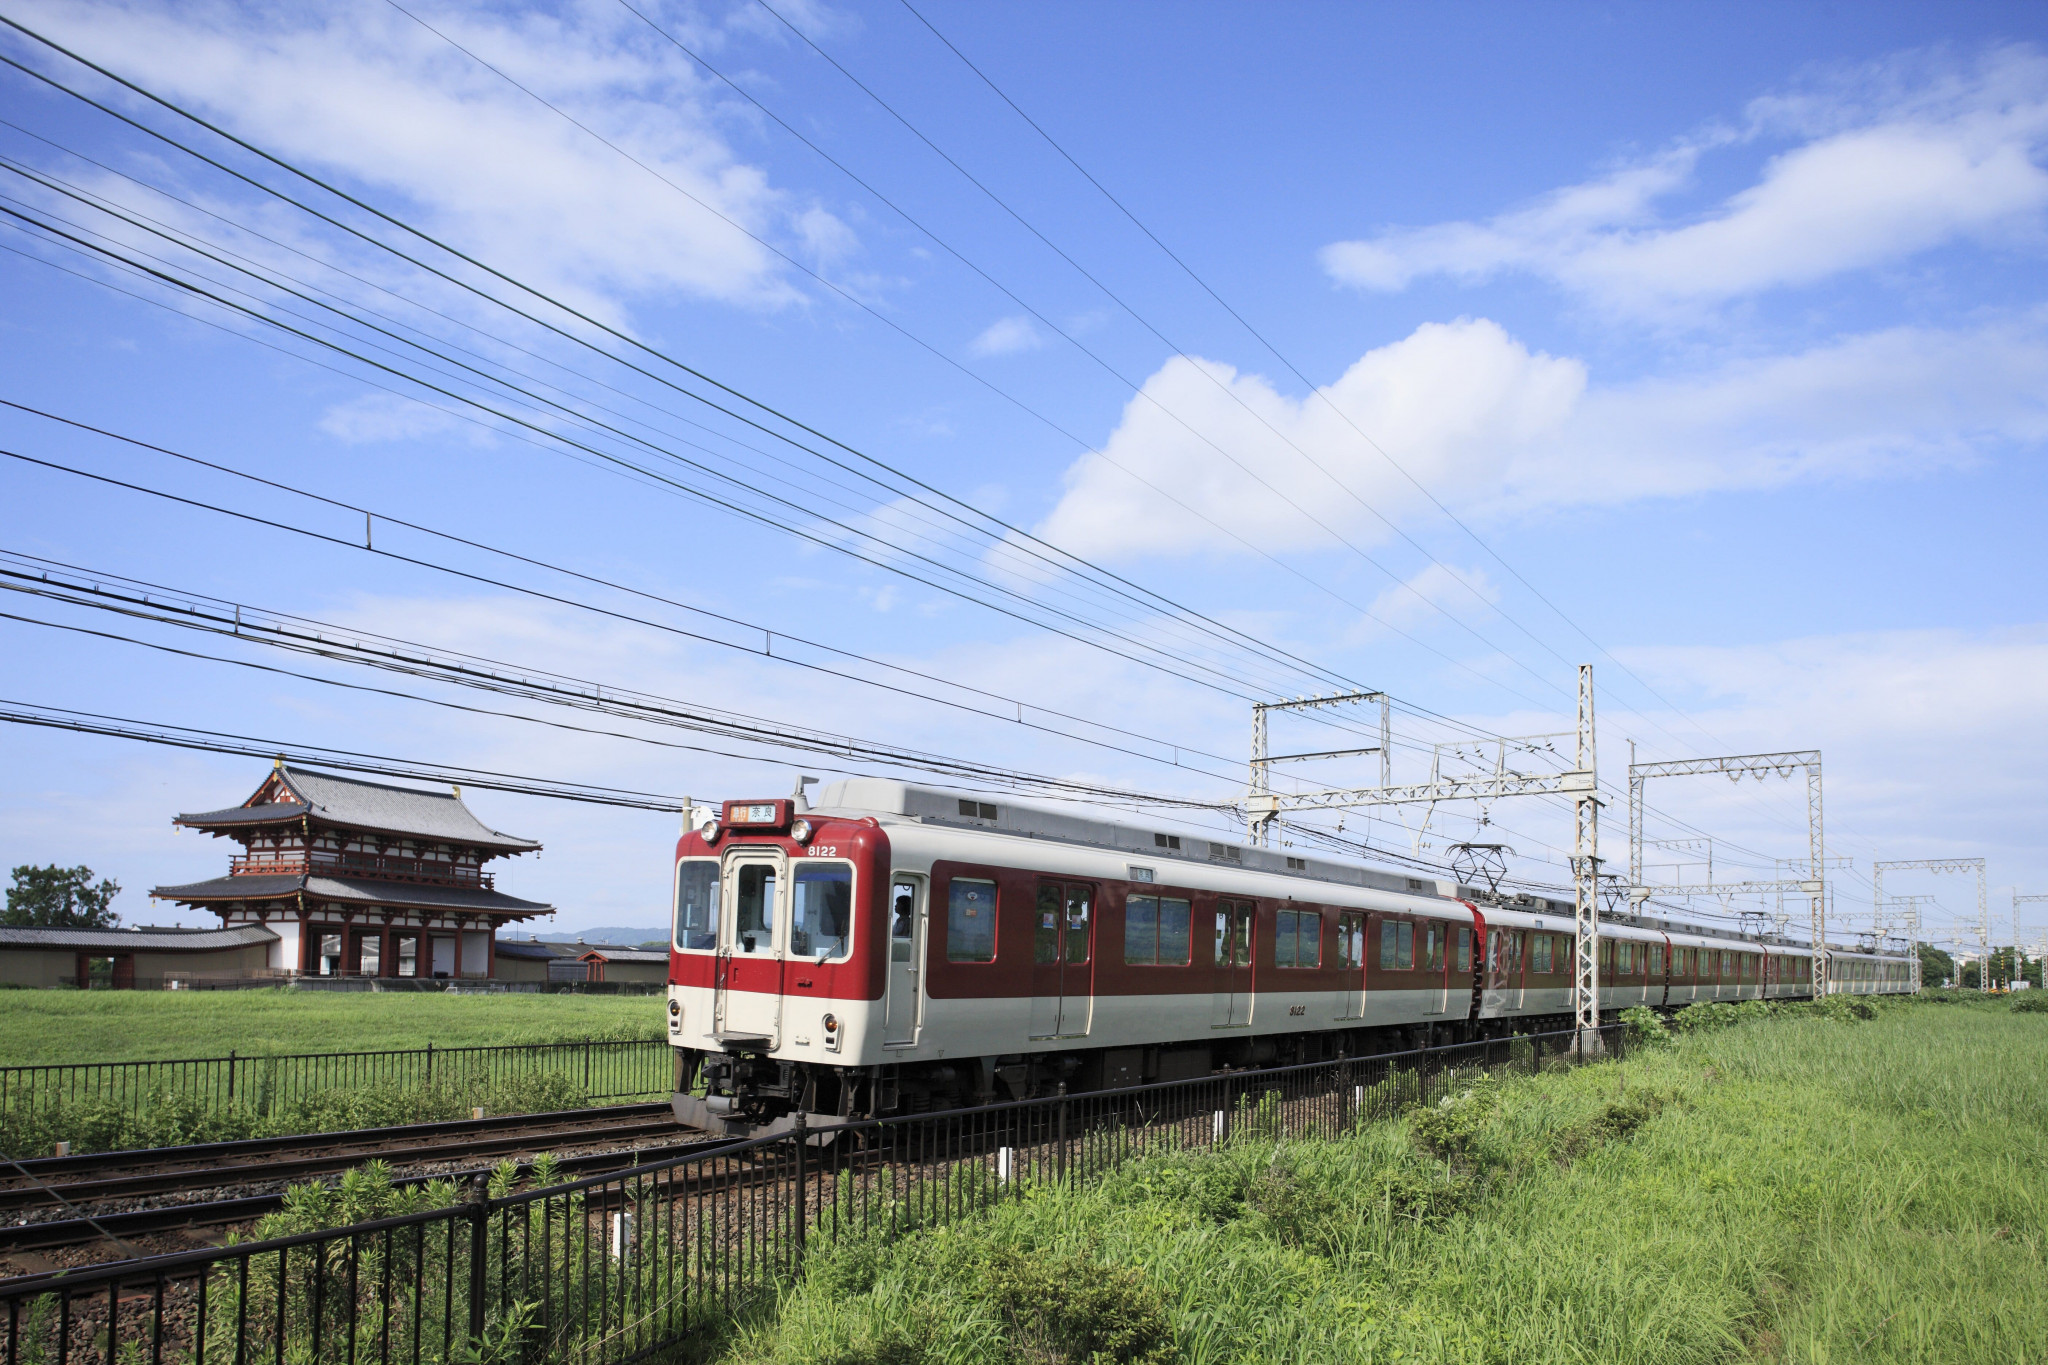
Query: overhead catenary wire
point(139, 600)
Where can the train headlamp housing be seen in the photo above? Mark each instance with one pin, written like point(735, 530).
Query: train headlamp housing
point(801, 831)
point(710, 831)
point(833, 1036)
point(675, 1007)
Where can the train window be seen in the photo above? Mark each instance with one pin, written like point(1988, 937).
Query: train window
point(1625, 955)
point(1298, 938)
point(821, 911)
point(1433, 947)
point(1540, 955)
point(697, 905)
point(1397, 945)
point(1156, 931)
point(1606, 956)
point(1656, 959)
point(1045, 932)
point(971, 921)
point(902, 921)
point(1239, 952)
point(1351, 941)
point(1176, 931)
point(755, 924)
point(1464, 958)
point(1727, 966)
point(1141, 931)
point(1079, 901)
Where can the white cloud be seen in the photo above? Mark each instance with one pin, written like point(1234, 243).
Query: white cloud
point(1465, 594)
point(1007, 336)
point(387, 417)
point(1500, 430)
point(363, 93)
point(1892, 163)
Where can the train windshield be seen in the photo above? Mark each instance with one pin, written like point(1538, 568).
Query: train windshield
point(821, 920)
point(697, 905)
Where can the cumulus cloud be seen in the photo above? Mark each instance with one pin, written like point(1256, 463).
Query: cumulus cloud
point(364, 94)
point(1885, 163)
point(1502, 430)
point(1007, 336)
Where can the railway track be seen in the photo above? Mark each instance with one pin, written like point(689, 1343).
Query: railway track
point(45, 1204)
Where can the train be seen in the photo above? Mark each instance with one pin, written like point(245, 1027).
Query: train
point(898, 948)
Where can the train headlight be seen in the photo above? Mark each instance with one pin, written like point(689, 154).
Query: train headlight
point(710, 831)
point(832, 1034)
point(831, 1023)
point(675, 1007)
point(801, 831)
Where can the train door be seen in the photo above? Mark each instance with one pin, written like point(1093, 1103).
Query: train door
point(1062, 960)
point(906, 956)
point(1517, 946)
point(747, 980)
point(1434, 948)
point(1231, 1004)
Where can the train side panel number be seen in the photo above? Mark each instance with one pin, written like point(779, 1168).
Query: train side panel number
point(823, 850)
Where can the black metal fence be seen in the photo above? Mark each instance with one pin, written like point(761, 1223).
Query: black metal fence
point(262, 1084)
point(606, 1270)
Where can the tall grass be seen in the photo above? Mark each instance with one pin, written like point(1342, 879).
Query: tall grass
point(1791, 1189)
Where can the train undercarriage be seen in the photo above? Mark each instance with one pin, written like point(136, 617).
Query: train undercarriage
point(749, 1094)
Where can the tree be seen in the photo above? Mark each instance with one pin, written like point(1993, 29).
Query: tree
point(56, 897)
point(1935, 965)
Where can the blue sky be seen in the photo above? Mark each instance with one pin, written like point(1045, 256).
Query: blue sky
point(1720, 332)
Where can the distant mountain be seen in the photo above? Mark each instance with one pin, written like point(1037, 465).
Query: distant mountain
point(618, 935)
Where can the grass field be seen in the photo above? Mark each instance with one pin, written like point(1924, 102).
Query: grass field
point(108, 1026)
point(1807, 1190)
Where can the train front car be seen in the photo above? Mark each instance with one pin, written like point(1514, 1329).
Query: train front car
point(777, 969)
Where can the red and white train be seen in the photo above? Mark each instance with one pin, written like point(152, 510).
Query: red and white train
point(901, 948)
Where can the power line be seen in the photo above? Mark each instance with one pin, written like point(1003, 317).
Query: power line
point(348, 760)
point(139, 600)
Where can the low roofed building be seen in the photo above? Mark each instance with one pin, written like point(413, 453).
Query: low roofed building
point(132, 959)
point(359, 878)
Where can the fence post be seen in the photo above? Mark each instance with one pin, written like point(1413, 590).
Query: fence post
point(586, 1066)
point(430, 1061)
point(231, 1076)
point(479, 1253)
point(800, 1134)
point(1061, 1151)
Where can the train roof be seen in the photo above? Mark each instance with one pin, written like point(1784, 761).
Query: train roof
point(857, 797)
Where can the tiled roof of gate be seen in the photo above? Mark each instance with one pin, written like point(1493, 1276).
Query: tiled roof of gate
point(412, 895)
point(371, 806)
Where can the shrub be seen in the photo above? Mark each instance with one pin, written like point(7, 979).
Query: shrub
point(2030, 1002)
point(1645, 1027)
point(1062, 1309)
point(1704, 1016)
